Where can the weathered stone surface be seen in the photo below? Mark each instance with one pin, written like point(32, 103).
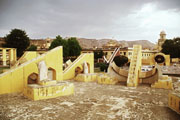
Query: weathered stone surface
point(43, 71)
point(92, 101)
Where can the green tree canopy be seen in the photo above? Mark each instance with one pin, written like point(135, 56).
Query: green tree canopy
point(17, 39)
point(120, 60)
point(98, 54)
point(172, 47)
point(59, 41)
point(75, 48)
point(32, 48)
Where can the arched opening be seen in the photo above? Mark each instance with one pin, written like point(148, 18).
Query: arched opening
point(88, 67)
point(78, 70)
point(159, 59)
point(51, 74)
point(33, 78)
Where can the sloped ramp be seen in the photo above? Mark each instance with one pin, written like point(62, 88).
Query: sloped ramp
point(15, 79)
point(116, 75)
point(70, 71)
point(28, 55)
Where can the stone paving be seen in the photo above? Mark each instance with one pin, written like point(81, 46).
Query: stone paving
point(92, 101)
point(174, 69)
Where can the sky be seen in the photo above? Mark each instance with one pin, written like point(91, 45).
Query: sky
point(97, 19)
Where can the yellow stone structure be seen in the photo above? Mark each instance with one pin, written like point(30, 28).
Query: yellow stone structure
point(28, 55)
point(174, 101)
point(135, 67)
point(24, 76)
point(8, 56)
point(106, 79)
point(164, 82)
point(175, 60)
point(16, 79)
point(77, 66)
point(90, 77)
point(50, 89)
point(161, 59)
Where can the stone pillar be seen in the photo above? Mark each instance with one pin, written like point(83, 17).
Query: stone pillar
point(4, 57)
point(43, 71)
point(14, 54)
point(11, 55)
point(85, 68)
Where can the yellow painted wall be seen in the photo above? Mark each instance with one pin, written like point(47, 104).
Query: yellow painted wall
point(15, 80)
point(175, 60)
point(69, 72)
point(164, 81)
point(167, 59)
point(106, 79)
point(38, 92)
point(28, 55)
point(174, 102)
point(90, 77)
point(167, 62)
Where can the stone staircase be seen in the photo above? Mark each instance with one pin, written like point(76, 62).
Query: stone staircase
point(135, 67)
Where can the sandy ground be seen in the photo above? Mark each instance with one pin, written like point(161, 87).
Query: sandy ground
point(92, 101)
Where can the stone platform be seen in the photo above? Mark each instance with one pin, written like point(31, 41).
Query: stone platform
point(90, 77)
point(163, 82)
point(106, 79)
point(49, 89)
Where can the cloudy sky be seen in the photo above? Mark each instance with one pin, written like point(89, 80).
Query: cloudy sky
point(117, 19)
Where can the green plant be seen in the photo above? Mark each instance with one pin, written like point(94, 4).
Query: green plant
point(120, 60)
point(32, 48)
point(103, 66)
point(18, 39)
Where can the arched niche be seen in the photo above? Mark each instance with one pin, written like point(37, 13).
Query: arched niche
point(160, 58)
point(88, 67)
point(33, 78)
point(78, 70)
point(51, 73)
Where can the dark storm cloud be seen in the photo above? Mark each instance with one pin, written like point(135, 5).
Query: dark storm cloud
point(84, 18)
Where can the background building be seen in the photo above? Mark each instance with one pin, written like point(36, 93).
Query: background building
point(161, 40)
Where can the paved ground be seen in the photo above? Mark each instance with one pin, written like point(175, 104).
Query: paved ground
point(175, 70)
point(92, 101)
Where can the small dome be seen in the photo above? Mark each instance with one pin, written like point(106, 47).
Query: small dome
point(162, 32)
point(48, 39)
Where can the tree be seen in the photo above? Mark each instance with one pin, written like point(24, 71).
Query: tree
point(74, 46)
point(17, 39)
point(98, 54)
point(120, 60)
point(32, 48)
point(59, 41)
point(172, 47)
point(103, 66)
